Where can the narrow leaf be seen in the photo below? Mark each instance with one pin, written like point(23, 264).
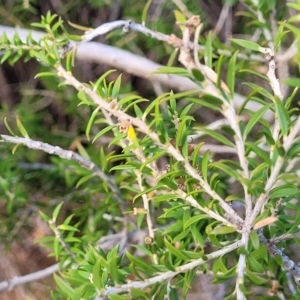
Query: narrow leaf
point(255, 118)
point(21, 127)
point(231, 73)
point(221, 138)
point(176, 252)
point(283, 116)
point(56, 211)
point(103, 131)
point(284, 191)
point(90, 122)
point(204, 166)
point(248, 45)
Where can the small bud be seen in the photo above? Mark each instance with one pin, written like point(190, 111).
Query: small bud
point(148, 240)
point(124, 125)
point(138, 211)
point(114, 104)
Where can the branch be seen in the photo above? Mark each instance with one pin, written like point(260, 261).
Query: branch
point(228, 110)
point(143, 127)
point(69, 155)
point(287, 263)
point(148, 213)
point(263, 198)
point(267, 33)
point(168, 275)
point(133, 64)
point(18, 280)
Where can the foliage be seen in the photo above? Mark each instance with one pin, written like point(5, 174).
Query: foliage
point(202, 212)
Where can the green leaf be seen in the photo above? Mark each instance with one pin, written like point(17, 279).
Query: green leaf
point(70, 61)
point(248, 45)
point(195, 154)
point(255, 278)
point(260, 90)
point(222, 230)
point(116, 87)
point(204, 165)
point(56, 211)
point(171, 70)
point(91, 121)
point(166, 197)
point(227, 169)
point(67, 227)
point(181, 136)
point(116, 139)
point(197, 74)
point(187, 283)
point(148, 190)
point(293, 82)
point(99, 81)
point(123, 167)
point(209, 101)
point(264, 77)
point(152, 105)
point(152, 158)
point(198, 236)
point(21, 128)
point(193, 220)
point(293, 28)
point(261, 153)
point(259, 169)
point(6, 55)
point(103, 131)
point(131, 100)
point(231, 73)
point(82, 96)
point(176, 252)
point(296, 223)
point(284, 191)
point(113, 268)
point(185, 111)
point(64, 286)
point(254, 239)
point(145, 11)
point(140, 263)
point(208, 51)
point(117, 297)
point(180, 18)
point(290, 99)
point(45, 74)
point(8, 127)
point(219, 72)
point(283, 116)
point(219, 137)
point(44, 216)
point(225, 276)
point(255, 118)
point(174, 208)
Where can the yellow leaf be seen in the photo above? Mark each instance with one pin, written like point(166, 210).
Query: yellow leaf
point(131, 135)
point(265, 222)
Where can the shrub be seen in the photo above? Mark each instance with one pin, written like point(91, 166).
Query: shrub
point(157, 198)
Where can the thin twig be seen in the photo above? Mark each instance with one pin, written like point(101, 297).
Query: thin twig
point(263, 198)
point(148, 213)
point(18, 280)
point(168, 275)
point(261, 19)
point(69, 155)
point(222, 18)
point(287, 263)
